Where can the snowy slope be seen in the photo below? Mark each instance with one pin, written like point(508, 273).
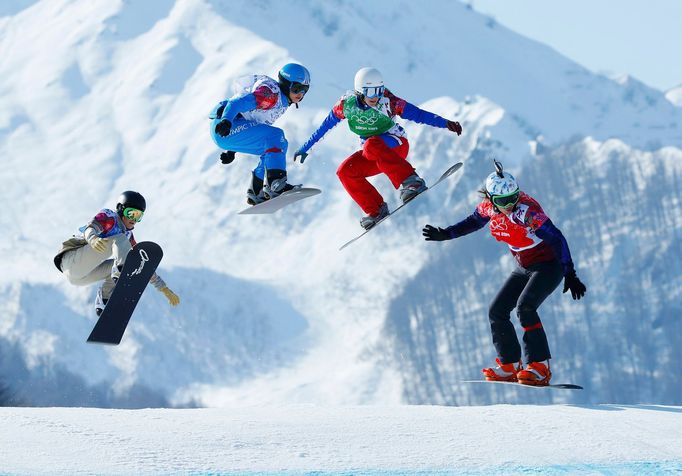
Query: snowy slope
point(500, 439)
point(100, 96)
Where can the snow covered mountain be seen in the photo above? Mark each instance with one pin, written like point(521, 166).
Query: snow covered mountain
point(674, 95)
point(98, 97)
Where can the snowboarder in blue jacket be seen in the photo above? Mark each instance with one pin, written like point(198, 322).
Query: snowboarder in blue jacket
point(243, 123)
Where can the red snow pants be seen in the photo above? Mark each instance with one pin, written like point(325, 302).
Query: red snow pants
point(375, 157)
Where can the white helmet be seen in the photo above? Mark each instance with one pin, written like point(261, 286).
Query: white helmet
point(501, 184)
point(369, 82)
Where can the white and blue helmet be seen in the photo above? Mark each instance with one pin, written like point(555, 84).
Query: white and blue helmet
point(502, 188)
point(502, 183)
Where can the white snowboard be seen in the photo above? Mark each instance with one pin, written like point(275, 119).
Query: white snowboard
point(445, 175)
point(281, 201)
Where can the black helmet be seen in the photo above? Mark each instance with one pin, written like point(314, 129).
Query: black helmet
point(130, 199)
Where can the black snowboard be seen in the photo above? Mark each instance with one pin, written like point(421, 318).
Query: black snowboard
point(445, 175)
point(567, 386)
point(138, 269)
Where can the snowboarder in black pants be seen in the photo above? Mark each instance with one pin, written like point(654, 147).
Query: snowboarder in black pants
point(543, 260)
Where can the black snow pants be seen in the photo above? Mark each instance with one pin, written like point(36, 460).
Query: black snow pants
point(525, 290)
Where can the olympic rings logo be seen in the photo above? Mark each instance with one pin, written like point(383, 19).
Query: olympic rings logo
point(496, 225)
point(365, 120)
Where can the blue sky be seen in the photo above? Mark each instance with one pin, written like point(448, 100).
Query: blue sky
point(641, 38)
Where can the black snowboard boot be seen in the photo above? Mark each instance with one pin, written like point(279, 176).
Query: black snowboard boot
point(277, 184)
point(255, 195)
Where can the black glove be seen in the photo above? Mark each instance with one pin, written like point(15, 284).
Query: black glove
point(223, 128)
point(455, 127)
point(219, 111)
point(227, 157)
point(576, 286)
point(302, 155)
point(432, 233)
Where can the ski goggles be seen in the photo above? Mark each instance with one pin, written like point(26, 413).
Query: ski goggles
point(298, 88)
point(133, 214)
point(506, 201)
point(372, 92)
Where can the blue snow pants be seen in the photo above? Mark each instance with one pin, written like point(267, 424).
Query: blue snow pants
point(249, 137)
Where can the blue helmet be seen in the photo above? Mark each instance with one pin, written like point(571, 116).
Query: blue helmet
point(294, 77)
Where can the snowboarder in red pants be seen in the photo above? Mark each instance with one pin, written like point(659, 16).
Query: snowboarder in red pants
point(543, 260)
point(371, 111)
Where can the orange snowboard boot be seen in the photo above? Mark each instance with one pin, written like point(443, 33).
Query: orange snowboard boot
point(503, 372)
point(535, 373)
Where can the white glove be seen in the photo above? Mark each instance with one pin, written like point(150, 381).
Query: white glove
point(98, 244)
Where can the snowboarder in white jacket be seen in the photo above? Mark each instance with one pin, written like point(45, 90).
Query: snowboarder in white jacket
point(98, 251)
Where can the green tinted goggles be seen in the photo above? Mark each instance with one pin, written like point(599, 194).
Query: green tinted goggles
point(506, 201)
point(133, 214)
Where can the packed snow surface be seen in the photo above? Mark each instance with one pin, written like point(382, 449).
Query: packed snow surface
point(295, 439)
